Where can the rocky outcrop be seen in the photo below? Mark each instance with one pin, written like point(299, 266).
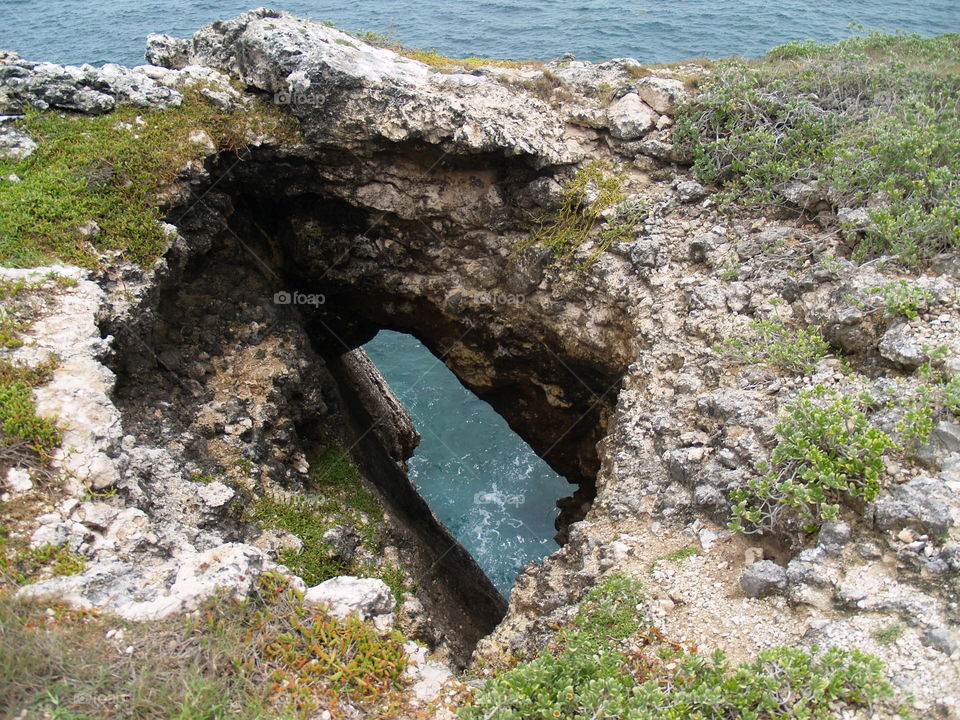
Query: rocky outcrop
point(407, 204)
point(84, 89)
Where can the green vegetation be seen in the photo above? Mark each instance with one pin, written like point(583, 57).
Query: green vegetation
point(112, 170)
point(676, 556)
point(20, 564)
point(266, 657)
point(898, 297)
point(608, 665)
point(306, 518)
point(595, 189)
point(888, 634)
point(827, 452)
point(936, 394)
point(21, 429)
point(774, 344)
point(337, 497)
point(869, 121)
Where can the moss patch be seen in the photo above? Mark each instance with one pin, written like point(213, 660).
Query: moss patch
point(110, 170)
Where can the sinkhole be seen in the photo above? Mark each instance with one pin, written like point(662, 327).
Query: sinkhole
point(494, 494)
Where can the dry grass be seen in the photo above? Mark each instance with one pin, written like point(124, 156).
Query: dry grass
point(267, 657)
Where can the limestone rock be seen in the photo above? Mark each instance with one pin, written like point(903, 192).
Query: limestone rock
point(690, 191)
point(899, 345)
point(83, 89)
point(763, 578)
point(942, 639)
point(630, 118)
point(662, 94)
point(18, 480)
point(347, 595)
point(166, 51)
point(15, 144)
point(922, 504)
point(341, 87)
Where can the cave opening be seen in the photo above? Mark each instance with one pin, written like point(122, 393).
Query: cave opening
point(491, 490)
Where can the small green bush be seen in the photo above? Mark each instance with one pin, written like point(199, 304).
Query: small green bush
point(899, 297)
point(597, 672)
point(937, 394)
point(828, 452)
point(774, 344)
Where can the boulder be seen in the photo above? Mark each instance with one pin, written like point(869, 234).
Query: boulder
point(630, 118)
point(367, 598)
point(763, 578)
point(166, 51)
point(921, 504)
point(690, 191)
point(662, 94)
point(15, 144)
point(900, 345)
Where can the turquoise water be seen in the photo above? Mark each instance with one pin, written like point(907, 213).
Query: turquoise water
point(483, 481)
point(74, 31)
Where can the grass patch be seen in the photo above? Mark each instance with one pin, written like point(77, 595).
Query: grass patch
point(20, 427)
point(337, 497)
point(609, 664)
point(888, 634)
point(676, 556)
point(827, 453)
point(870, 121)
point(110, 169)
point(266, 657)
point(306, 518)
point(20, 564)
point(773, 344)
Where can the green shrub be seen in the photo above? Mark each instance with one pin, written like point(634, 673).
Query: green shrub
point(870, 121)
point(774, 344)
point(827, 452)
point(607, 665)
point(935, 395)
point(898, 297)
